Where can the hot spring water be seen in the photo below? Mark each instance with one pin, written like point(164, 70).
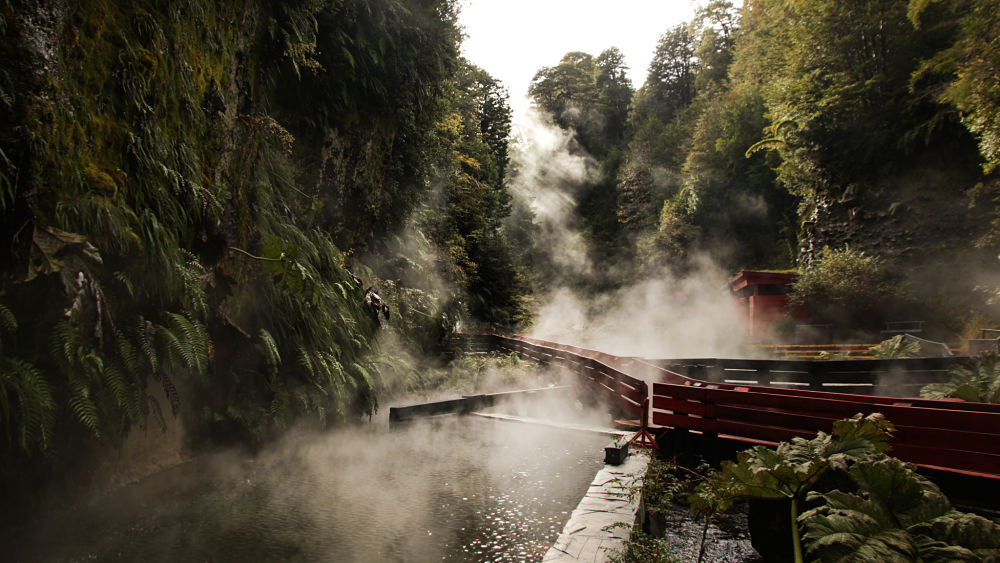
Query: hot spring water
point(448, 488)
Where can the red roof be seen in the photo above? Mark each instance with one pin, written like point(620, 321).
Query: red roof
point(754, 277)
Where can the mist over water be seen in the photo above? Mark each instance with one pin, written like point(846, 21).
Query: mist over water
point(448, 488)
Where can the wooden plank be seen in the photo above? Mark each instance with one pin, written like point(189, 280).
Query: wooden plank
point(982, 462)
point(910, 435)
point(665, 389)
point(897, 413)
point(678, 406)
point(679, 391)
point(772, 418)
point(622, 389)
point(626, 389)
point(960, 440)
point(973, 441)
point(774, 434)
point(972, 431)
point(614, 397)
point(948, 458)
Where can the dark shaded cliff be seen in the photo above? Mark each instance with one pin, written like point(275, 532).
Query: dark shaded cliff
point(184, 186)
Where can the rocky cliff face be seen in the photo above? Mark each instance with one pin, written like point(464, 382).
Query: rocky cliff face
point(923, 224)
point(181, 184)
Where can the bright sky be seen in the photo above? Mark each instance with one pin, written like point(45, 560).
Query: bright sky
point(512, 39)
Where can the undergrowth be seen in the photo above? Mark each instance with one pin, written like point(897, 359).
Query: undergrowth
point(848, 500)
point(187, 192)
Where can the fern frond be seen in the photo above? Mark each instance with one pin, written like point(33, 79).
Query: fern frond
point(8, 322)
point(366, 377)
point(185, 342)
point(64, 343)
point(126, 282)
point(26, 403)
point(269, 348)
point(764, 144)
point(127, 354)
point(305, 360)
point(157, 412)
point(192, 273)
point(115, 380)
point(85, 410)
point(146, 333)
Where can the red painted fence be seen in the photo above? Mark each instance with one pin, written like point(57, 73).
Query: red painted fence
point(601, 372)
point(952, 435)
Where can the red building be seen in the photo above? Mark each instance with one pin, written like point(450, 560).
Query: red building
point(764, 297)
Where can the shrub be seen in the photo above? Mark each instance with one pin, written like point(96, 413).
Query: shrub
point(845, 286)
point(978, 381)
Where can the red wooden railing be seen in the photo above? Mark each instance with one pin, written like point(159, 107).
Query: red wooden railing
point(952, 435)
point(599, 371)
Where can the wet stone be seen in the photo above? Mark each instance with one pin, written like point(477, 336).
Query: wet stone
point(727, 540)
point(604, 517)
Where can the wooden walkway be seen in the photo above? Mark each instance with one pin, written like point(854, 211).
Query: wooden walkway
point(950, 435)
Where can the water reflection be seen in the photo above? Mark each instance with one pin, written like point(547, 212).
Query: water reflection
point(451, 488)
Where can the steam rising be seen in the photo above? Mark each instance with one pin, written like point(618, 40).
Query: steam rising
point(658, 317)
point(666, 314)
point(547, 182)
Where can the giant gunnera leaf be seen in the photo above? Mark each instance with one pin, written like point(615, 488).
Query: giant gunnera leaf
point(897, 515)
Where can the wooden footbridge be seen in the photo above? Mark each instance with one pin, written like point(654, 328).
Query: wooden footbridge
point(770, 401)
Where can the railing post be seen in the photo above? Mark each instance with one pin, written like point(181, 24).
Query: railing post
point(642, 438)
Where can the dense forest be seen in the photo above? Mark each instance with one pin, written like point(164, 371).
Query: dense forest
point(855, 143)
point(247, 214)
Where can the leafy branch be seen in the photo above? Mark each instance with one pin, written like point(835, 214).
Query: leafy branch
point(792, 469)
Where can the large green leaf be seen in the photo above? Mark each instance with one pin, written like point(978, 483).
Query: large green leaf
point(795, 466)
point(896, 515)
point(975, 533)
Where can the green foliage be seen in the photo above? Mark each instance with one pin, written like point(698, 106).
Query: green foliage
point(845, 283)
point(467, 225)
point(27, 408)
point(677, 178)
point(895, 515)
point(895, 348)
point(587, 96)
point(849, 101)
point(792, 469)
point(882, 511)
point(968, 67)
point(184, 343)
point(977, 381)
point(643, 548)
point(106, 381)
point(181, 185)
point(730, 196)
point(670, 83)
point(667, 483)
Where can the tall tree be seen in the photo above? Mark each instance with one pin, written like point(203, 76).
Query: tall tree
point(965, 74)
point(467, 226)
point(587, 96)
point(614, 93)
point(842, 108)
point(669, 84)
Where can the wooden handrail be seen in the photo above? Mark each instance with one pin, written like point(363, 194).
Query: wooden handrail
point(947, 434)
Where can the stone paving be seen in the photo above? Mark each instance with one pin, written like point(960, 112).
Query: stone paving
point(585, 538)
